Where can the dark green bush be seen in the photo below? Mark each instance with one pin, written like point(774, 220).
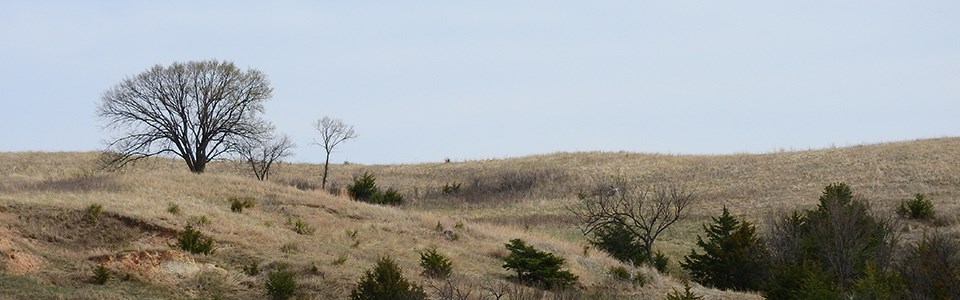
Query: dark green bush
point(660, 262)
point(826, 250)
point(238, 204)
point(535, 267)
point(101, 274)
point(281, 283)
point(389, 197)
point(434, 264)
point(878, 284)
point(195, 242)
point(733, 256)
point(385, 281)
point(363, 187)
point(620, 243)
point(916, 208)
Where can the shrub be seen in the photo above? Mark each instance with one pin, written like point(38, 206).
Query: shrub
point(435, 264)
point(363, 188)
point(289, 248)
point(620, 243)
point(281, 284)
point(826, 250)
point(93, 212)
point(877, 284)
point(304, 185)
point(640, 215)
point(389, 197)
point(101, 274)
point(193, 241)
point(385, 281)
point(639, 279)
point(916, 208)
point(686, 295)
point(733, 256)
point(931, 268)
point(301, 227)
point(450, 188)
point(660, 262)
point(334, 189)
point(620, 273)
point(535, 267)
point(173, 208)
point(238, 204)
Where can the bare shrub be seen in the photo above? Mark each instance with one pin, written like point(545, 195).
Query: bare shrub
point(261, 155)
point(642, 213)
point(303, 185)
point(500, 186)
point(931, 268)
point(452, 288)
point(80, 183)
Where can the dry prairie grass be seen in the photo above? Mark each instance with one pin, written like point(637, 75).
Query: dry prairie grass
point(503, 199)
point(48, 193)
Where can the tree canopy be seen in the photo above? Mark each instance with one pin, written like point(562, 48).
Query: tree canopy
point(198, 110)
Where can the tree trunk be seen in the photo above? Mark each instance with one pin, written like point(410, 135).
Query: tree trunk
point(198, 167)
point(326, 167)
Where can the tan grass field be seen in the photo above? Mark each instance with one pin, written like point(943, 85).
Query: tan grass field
point(49, 249)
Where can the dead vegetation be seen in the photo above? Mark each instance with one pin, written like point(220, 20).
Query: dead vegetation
point(44, 195)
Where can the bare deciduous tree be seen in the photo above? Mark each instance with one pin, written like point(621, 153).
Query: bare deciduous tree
point(196, 110)
point(260, 156)
point(332, 133)
point(645, 213)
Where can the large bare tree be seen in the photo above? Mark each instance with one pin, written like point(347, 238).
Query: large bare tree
point(261, 156)
point(643, 212)
point(196, 110)
point(332, 132)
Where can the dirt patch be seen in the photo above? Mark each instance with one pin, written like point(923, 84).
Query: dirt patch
point(13, 258)
point(74, 230)
point(154, 265)
point(18, 262)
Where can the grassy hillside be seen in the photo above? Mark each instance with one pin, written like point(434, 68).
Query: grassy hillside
point(50, 244)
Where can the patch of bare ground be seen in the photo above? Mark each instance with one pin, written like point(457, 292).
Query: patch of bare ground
point(76, 231)
point(155, 265)
point(14, 258)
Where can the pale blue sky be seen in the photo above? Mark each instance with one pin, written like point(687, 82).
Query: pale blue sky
point(425, 80)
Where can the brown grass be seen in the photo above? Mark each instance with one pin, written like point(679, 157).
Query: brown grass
point(510, 198)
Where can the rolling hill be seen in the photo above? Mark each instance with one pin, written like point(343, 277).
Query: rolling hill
point(51, 237)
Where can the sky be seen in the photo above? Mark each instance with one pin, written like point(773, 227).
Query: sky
point(423, 81)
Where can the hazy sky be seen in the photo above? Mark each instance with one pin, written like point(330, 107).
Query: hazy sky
point(426, 80)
